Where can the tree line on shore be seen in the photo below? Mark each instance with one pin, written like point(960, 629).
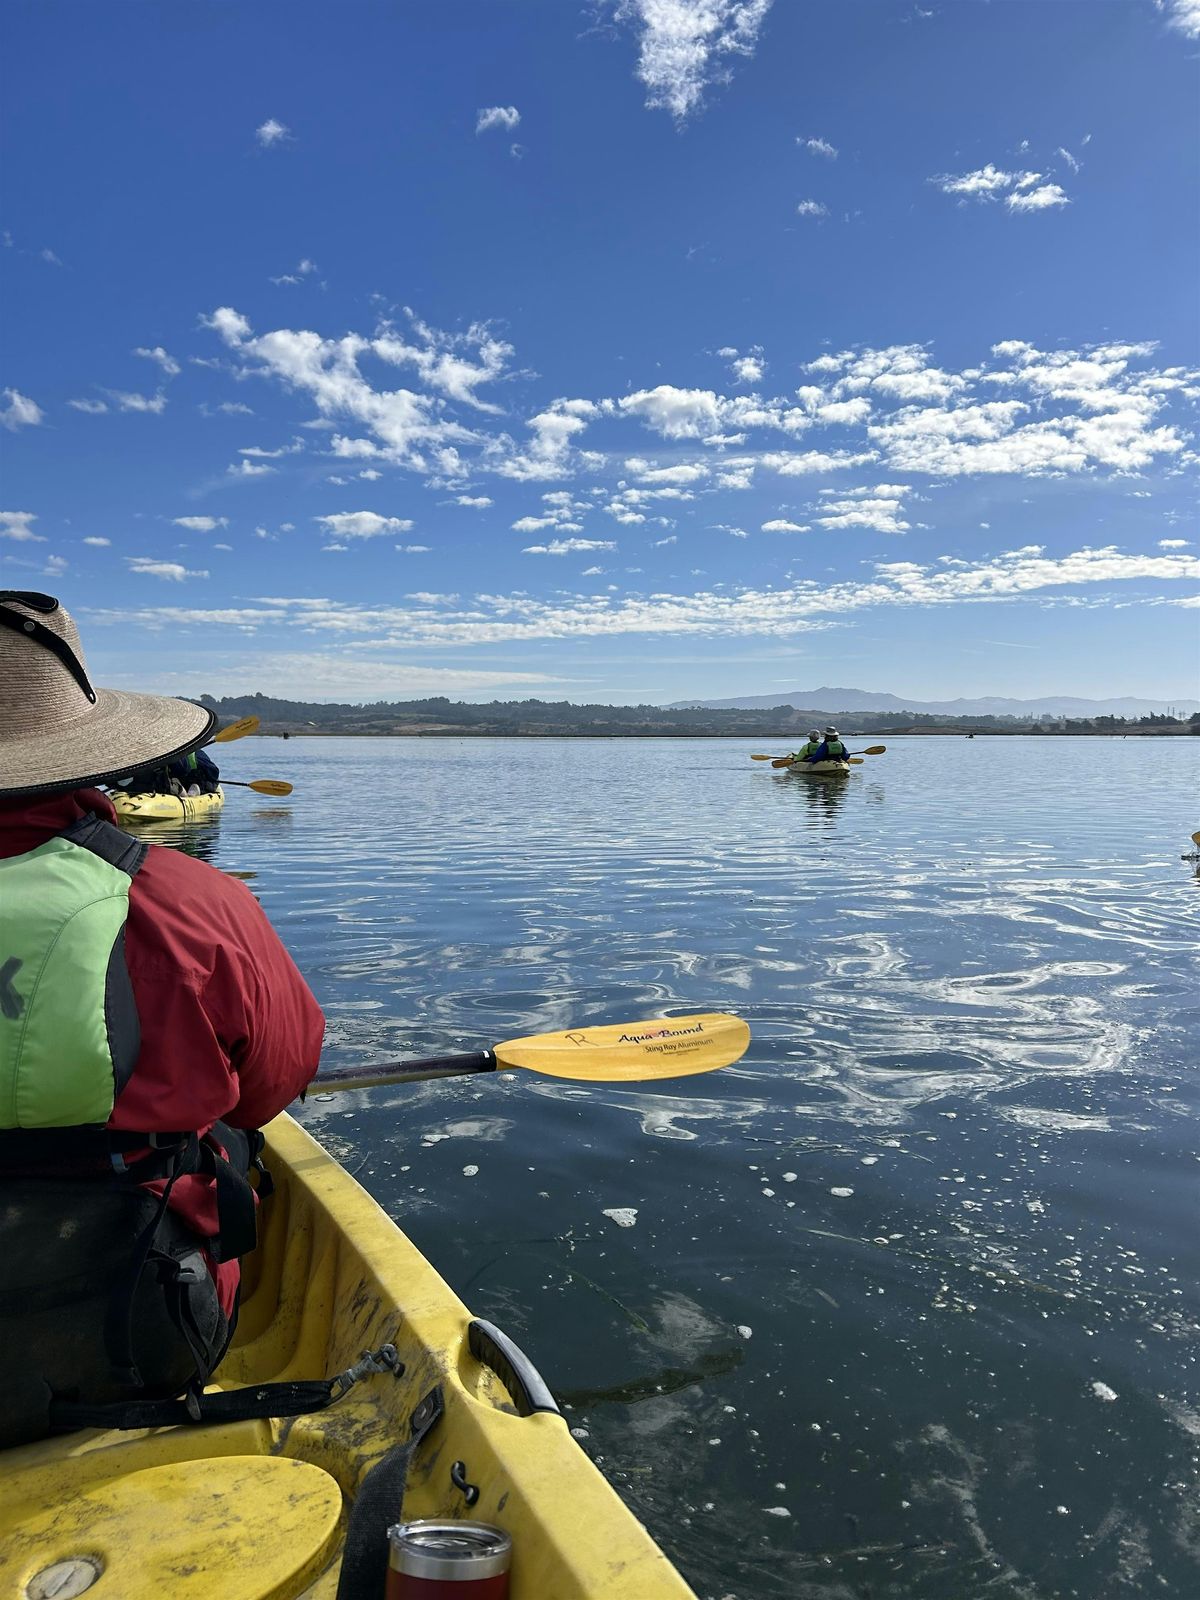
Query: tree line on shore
point(439, 715)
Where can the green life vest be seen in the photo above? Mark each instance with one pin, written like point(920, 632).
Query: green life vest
point(69, 1034)
point(809, 749)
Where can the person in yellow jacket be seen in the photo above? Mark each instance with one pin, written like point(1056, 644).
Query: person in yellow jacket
point(809, 750)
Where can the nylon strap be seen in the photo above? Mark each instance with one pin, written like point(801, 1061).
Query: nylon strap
point(378, 1504)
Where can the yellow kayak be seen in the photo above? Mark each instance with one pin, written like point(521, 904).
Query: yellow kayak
point(257, 1510)
point(818, 769)
point(165, 807)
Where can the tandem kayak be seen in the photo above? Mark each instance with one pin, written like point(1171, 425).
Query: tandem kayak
point(165, 807)
point(818, 769)
point(258, 1510)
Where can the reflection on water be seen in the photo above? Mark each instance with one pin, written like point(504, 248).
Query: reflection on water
point(909, 1298)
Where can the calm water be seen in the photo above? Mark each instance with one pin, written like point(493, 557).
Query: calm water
point(910, 1305)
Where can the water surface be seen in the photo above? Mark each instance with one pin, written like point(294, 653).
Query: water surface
point(909, 1305)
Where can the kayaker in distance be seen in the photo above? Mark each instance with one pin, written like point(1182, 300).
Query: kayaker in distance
point(831, 747)
point(150, 1021)
point(192, 774)
point(807, 752)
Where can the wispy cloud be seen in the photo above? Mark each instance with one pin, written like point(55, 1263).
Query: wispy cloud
point(489, 117)
point(362, 524)
point(303, 269)
point(201, 524)
point(19, 411)
point(1021, 190)
point(811, 208)
point(272, 132)
point(16, 525)
point(782, 525)
point(801, 606)
point(686, 45)
point(98, 541)
point(818, 147)
point(249, 469)
point(567, 547)
point(93, 408)
point(153, 403)
point(747, 368)
point(172, 571)
point(1183, 16)
point(160, 358)
point(1043, 198)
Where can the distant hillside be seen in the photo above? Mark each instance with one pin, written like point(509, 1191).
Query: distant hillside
point(829, 701)
point(440, 716)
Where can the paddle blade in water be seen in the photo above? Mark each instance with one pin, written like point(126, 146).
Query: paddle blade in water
point(764, 758)
point(666, 1047)
point(236, 730)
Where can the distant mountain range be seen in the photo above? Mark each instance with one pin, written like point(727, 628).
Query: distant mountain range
point(828, 701)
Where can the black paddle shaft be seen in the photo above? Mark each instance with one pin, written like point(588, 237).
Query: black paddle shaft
point(406, 1071)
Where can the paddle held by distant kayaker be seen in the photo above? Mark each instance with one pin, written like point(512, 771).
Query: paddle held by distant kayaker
point(150, 1021)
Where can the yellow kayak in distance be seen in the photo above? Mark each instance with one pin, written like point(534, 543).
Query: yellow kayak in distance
point(166, 807)
point(257, 1510)
point(818, 769)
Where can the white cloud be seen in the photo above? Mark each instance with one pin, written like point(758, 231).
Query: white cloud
point(234, 408)
point(566, 547)
point(1173, 544)
point(249, 469)
point(93, 408)
point(19, 411)
point(99, 543)
point(302, 269)
point(489, 117)
point(1183, 16)
point(201, 524)
point(161, 359)
point(748, 368)
point(479, 501)
point(671, 538)
point(1071, 161)
point(15, 525)
point(271, 133)
point(257, 451)
point(55, 565)
point(172, 571)
point(879, 509)
point(803, 605)
point(781, 525)
point(1022, 190)
point(818, 147)
point(414, 549)
point(811, 208)
point(231, 325)
point(685, 45)
point(675, 413)
point(362, 524)
point(1043, 198)
point(156, 404)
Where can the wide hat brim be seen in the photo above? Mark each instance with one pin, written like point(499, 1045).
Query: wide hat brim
point(121, 732)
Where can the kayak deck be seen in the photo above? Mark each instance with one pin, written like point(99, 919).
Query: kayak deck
point(165, 807)
point(257, 1509)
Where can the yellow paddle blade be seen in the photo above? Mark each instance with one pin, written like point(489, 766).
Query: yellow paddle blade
point(764, 758)
point(236, 730)
point(1196, 838)
point(855, 761)
point(667, 1047)
point(874, 750)
point(270, 786)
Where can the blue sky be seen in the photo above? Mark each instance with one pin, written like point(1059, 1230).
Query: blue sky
point(606, 350)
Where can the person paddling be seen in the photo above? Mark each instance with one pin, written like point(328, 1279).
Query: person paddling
point(150, 1021)
point(807, 751)
point(831, 747)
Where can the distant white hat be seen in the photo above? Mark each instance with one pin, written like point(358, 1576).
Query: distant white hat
point(831, 730)
point(59, 732)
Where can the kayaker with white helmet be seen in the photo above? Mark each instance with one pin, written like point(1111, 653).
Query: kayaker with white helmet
point(807, 751)
point(830, 748)
point(150, 1021)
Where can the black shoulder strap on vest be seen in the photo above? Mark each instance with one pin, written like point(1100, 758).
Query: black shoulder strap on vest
point(109, 843)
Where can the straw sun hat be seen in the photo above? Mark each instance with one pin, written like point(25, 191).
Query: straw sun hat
point(56, 730)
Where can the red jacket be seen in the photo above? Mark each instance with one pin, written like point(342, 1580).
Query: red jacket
point(229, 1027)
